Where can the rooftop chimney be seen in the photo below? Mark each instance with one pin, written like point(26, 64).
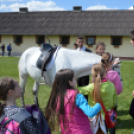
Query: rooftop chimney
point(77, 8)
point(23, 9)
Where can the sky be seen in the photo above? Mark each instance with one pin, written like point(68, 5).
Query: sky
point(67, 5)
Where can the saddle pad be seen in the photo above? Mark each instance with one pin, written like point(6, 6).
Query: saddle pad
point(35, 57)
point(50, 64)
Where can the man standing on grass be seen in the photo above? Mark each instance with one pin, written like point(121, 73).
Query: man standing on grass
point(9, 49)
point(82, 81)
point(132, 104)
point(3, 49)
point(80, 46)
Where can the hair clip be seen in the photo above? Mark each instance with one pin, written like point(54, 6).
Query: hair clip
point(110, 58)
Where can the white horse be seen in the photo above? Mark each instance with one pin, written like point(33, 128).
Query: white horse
point(80, 62)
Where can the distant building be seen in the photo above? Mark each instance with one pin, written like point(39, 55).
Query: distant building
point(25, 29)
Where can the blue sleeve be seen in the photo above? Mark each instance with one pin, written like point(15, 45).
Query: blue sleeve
point(82, 103)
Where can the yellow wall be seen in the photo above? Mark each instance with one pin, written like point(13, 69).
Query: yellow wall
point(125, 50)
point(54, 40)
point(28, 41)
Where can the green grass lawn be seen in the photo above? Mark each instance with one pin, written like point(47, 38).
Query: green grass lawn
point(125, 124)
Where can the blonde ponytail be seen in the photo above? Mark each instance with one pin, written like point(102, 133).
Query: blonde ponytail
point(96, 91)
point(98, 71)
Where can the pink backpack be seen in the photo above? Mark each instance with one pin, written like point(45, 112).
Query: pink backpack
point(10, 125)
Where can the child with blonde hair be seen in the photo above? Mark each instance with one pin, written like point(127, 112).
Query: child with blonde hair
point(100, 49)
point(100, 88)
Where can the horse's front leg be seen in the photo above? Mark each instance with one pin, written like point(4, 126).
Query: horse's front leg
point(35, 92)
point(23, 80)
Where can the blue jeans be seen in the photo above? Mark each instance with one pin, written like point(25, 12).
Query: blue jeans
point(9, 53)
point(111, 130)
point(3, 53)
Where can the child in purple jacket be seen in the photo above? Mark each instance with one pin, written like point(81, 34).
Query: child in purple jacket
point(112, 76)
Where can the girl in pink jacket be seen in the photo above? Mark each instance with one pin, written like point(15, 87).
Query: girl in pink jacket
point(68, 107)
point(108, 60)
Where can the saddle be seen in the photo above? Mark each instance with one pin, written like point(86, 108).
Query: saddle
point(42, 62)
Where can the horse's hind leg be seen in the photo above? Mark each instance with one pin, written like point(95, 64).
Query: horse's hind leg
point(35, 92)
point(23, 80)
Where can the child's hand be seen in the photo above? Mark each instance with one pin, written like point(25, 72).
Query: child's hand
point(117, 61)
point(133, 93)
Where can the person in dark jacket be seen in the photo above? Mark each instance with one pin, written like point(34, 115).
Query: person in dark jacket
point(9, 49)
point(132, 37)
point(3, 49)
point(82, 81)
point(75, 46)
point(132, 105)
point(81, 47)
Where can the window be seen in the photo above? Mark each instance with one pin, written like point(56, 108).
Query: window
point(64, 40)
point(90, 40)
point(116, 41)
point(18, 39)
point(40, 40)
